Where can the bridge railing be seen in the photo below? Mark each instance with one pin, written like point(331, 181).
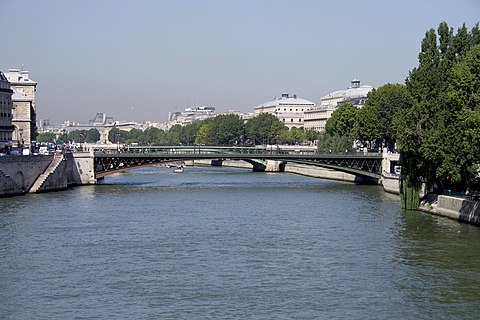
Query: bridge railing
point(197, 149)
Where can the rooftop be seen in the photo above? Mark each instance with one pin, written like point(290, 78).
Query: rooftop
point(286, 99)
point(351, 92)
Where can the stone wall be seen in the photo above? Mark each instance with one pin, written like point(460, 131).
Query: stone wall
point(22, 170)
point(324, 173)
point(80, 170)
point(18, 174)
point(391, 183)
point(459, 209)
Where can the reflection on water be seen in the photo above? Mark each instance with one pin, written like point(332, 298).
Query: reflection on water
point(231, 244)
point(442, 264)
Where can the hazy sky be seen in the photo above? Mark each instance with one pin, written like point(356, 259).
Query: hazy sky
point(138, 60)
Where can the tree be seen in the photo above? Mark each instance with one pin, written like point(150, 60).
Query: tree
point(76, 135)
point(92, 135)
point(203, 134)
point(189, 132)
point(374, 120)
point(342, 120)
point(311, 135)
point(461, 150)
point(116, 135)
point(226, 129)
point(149, 136)
point(333, 143)
point(175, 134)
point(264, 128)
point(427, 128)
point(46, 137)
point(135, 136)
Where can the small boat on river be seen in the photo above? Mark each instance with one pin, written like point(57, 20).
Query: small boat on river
point(178, 169)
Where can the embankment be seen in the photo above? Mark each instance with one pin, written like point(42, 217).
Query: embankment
point(38, 173)
point(462, 210)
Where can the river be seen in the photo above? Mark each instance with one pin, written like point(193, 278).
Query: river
point(219, 243)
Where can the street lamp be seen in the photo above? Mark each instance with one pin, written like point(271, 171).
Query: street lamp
point(20, 141)
point(82, 140)
point(118, 141)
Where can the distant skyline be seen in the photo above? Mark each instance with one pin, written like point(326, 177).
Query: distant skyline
point(139, 60)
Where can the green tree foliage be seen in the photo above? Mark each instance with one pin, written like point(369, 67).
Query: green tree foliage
point(310, 135)
point(264, 129)
point(342, 121)
point(189, 133)
point(135, 136)
point(116, 135)
point(333, 143)
point(76, 135)
point(203, 134)
point(226, 130)
point(46, 137)
point(92, 136)
point(461, 147)
point(374, 120)
point(175, 134)
point(428, 129)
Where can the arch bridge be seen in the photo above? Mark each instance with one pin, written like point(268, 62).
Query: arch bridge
point(368, 165)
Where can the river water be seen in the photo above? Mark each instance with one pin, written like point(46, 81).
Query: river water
point(217, 243)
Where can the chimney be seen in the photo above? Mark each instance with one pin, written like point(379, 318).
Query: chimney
point(294, 96)
point(25, 74)
point(14, 74)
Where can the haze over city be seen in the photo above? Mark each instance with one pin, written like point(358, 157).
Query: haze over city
point(139, 60)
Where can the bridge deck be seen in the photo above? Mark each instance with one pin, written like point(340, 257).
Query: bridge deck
point(368, 165)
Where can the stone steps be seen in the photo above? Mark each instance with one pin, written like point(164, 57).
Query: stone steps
point(37, 186)
point(9, 185)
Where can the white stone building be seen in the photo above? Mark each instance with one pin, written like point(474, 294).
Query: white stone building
point(6, 116)
point(289, 110)
point(191, 115)
point(24, 107)
point(317, 117)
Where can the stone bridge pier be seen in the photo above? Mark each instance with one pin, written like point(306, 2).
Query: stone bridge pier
point(269, 166)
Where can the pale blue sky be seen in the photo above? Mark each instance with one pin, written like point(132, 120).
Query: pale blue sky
point(93, 56)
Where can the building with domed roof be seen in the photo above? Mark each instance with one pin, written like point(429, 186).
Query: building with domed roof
point(317, 117)
point(288, 109)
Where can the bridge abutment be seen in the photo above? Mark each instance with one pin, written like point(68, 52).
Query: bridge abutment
point(269, 166)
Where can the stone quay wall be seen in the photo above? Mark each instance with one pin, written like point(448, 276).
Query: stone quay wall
point(19, 173)
point(38, 173)
point(459, 209)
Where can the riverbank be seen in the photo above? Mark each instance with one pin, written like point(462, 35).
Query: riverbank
point(462, 210)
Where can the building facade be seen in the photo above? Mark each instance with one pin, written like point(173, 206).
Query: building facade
point(23, 107)
point(289, 110)
point(6, 127)
point(317, 117)
point(191, 115)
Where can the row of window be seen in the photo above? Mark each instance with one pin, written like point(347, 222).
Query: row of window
point(285, 109)
point(5, 136)
point(291, 120)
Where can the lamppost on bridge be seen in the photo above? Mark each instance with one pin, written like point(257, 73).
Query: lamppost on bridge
point(118, 141)
point(82, 140)
point(20, 141)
